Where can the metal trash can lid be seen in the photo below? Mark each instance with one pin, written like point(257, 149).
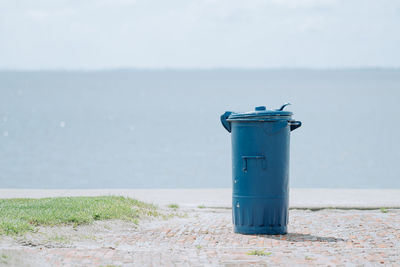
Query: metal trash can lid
point(261, 113)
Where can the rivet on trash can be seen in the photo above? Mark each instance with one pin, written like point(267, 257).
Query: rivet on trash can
point(260, 160)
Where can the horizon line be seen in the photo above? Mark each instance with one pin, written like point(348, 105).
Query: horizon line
point(367, 68)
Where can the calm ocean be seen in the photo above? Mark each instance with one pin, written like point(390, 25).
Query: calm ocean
point(161, 129)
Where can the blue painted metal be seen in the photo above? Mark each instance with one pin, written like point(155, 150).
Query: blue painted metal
point(260, 169)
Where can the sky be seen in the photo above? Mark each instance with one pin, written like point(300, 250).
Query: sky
point(107, 34)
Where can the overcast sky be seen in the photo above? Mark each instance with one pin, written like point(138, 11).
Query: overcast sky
point(97, 34)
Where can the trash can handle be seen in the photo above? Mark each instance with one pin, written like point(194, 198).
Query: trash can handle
point(294, 125)
point(283, 106)
point(245, 158)
point(225, 123)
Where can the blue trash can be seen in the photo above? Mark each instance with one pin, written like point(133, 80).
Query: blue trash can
point(260, 169)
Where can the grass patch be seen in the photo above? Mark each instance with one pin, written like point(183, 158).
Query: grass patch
point(59, 239)
point(173, 206)
point(383, 210)
point(201, 207)
point(258, 253)
point(18, 216)
point(3, 258)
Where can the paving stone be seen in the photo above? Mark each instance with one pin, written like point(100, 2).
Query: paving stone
point(205, 238)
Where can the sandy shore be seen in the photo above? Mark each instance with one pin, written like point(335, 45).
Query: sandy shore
point(299, 198)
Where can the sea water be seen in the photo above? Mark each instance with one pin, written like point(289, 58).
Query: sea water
point(161, 128)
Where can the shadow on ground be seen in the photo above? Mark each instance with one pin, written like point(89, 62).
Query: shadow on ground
point(297, 237)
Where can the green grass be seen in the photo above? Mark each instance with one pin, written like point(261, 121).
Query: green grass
point(18, 216)
point(3, 258)
point(258, 253)
point(173, 206)
point(201, 207)
point(383, 210)
point(59, 239)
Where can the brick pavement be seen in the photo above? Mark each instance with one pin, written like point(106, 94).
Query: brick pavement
point(204, 237)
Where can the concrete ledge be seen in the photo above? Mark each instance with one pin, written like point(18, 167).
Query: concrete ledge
point(299, 197)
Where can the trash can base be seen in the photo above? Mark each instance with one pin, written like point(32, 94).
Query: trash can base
point(263, 230)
